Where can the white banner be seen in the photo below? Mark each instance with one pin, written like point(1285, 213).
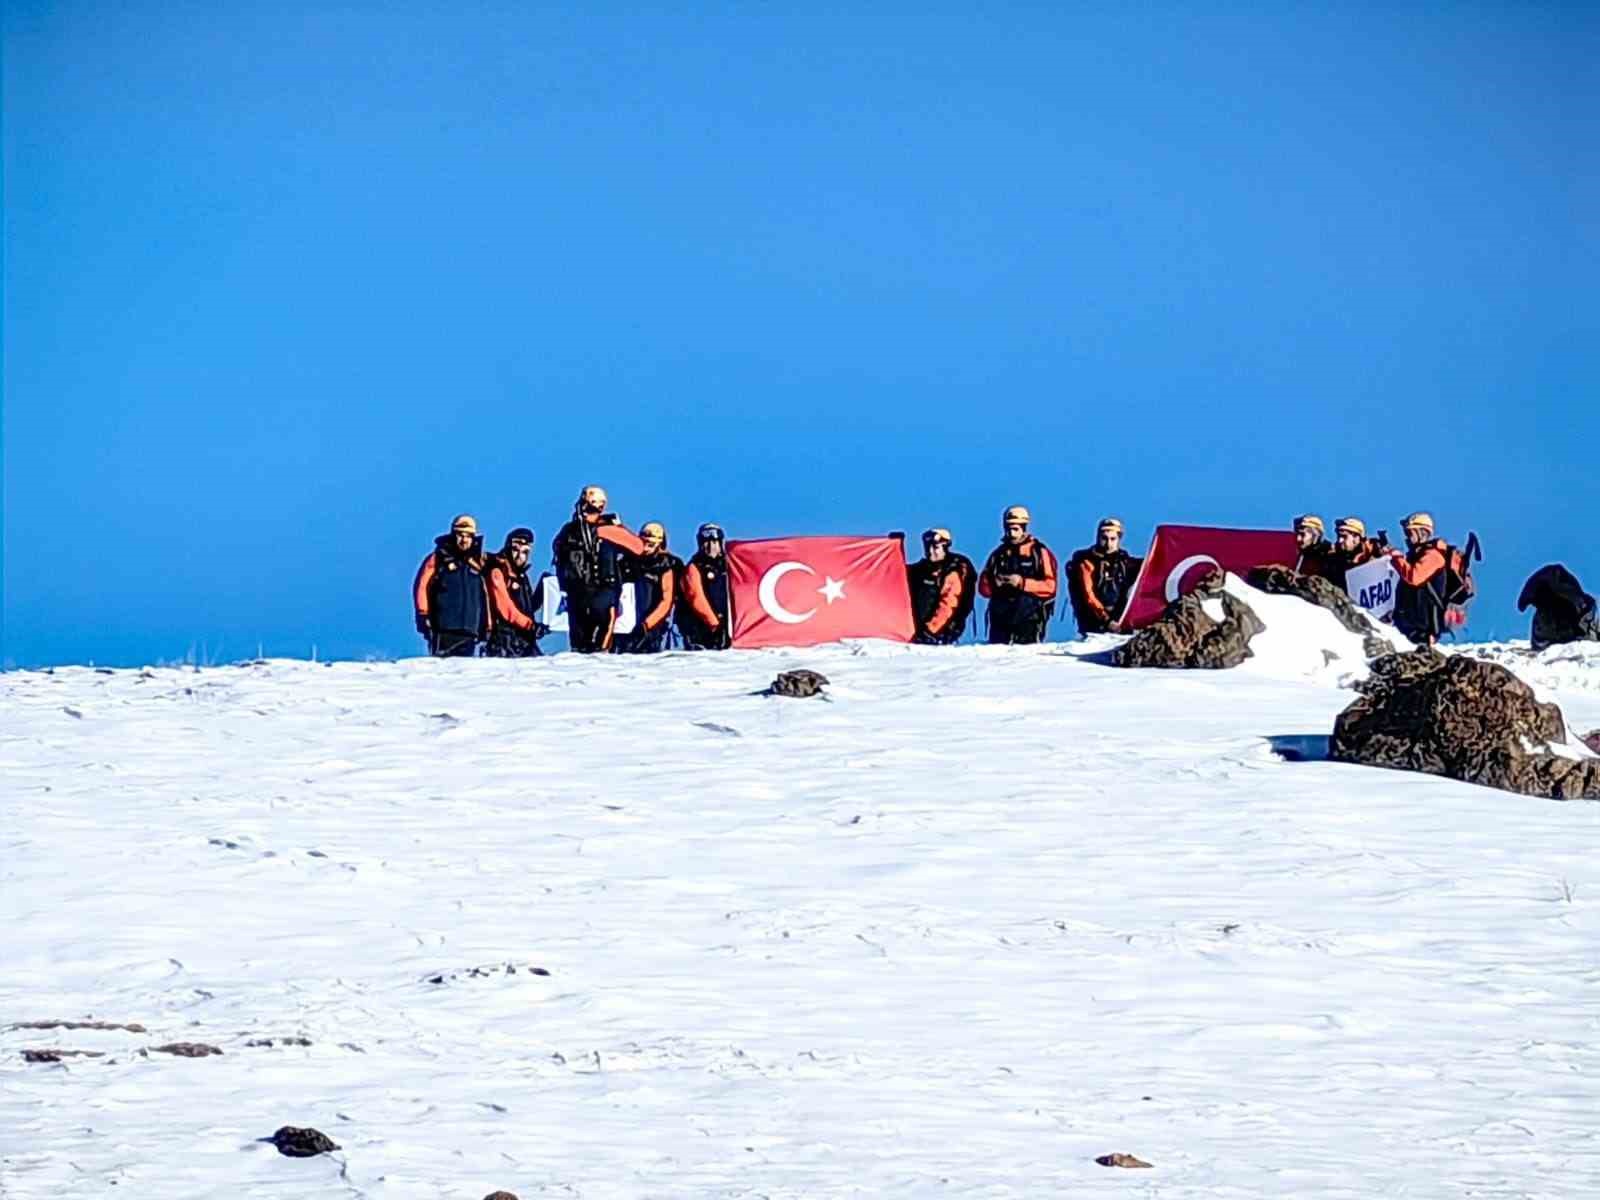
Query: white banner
point(553, 608)
point(1371, 586)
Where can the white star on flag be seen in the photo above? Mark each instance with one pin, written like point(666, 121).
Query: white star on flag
point(832, 589)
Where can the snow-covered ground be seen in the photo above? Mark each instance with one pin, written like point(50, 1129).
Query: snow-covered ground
point(978, 917)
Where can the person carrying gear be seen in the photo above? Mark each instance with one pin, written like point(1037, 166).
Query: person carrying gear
point(1019, 581)
point(514, 630)
point(588, 568)
point(654, 573)
point(702, 613)
point(1562, 611)
point(1099, 578)
point(1351, 548)
point(450, 595)
point(1433, 587)
point(942, 587)
point(1315, 549)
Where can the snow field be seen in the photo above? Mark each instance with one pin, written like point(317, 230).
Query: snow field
point(979, 916)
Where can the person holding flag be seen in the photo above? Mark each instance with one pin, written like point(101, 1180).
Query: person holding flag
point(942, 586)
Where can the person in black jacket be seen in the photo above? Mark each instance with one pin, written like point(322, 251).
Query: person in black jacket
point(513, 600)
point(588, 566)
point(702, 613)
point(450, 594)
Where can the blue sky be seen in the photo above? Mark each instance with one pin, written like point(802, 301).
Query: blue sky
point(287, 286)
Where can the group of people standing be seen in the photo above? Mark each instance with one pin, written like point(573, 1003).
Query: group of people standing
point(1434, 582)
point(466, 599)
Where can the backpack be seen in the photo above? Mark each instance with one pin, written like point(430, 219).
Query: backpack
point(965, 568)
point(1457, 587)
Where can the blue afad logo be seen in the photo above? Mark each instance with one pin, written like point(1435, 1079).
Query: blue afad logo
point(1377, 595)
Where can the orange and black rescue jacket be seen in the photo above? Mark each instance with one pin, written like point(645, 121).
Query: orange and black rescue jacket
point(942, 595)
point(1098, 585)
point(1035, 599)
point(513, 598)
point(450, 590)
point(702, 615)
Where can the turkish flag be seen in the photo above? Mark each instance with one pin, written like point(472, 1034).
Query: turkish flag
point(1180, 555)
point(800, 591)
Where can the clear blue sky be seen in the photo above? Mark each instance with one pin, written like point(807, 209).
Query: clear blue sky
point(287, 286)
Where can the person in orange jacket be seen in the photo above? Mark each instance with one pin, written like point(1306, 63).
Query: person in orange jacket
point(449, 593)
point(1419, 600)
point(1019, 581)
point(654, 573)
point(513, 600)
point(702, 617)
point(942, 586)
point(1100, 578)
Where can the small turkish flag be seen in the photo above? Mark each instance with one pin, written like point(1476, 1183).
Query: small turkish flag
point(800, 591)
point(1180, 556)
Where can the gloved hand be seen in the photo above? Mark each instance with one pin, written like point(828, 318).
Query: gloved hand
point(422, 625)
point(539, 630)
point(610, 519)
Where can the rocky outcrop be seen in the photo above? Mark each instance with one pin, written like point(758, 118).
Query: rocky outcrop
point(1187, 635)
point(798, 684)
point(302, 1143)
point(1465, 719)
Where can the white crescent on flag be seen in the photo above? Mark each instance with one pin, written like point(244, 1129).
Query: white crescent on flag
point(768, 593)
point(1175, 576)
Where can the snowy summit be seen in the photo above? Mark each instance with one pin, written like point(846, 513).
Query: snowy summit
point(608, 927)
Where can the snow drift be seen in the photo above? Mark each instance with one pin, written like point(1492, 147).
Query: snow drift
point(621, 927)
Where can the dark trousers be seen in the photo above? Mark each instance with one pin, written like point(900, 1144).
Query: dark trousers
point(508, 642)
point(590, 616)
point(454, 643)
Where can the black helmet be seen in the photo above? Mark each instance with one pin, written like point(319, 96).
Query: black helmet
point(709, 532)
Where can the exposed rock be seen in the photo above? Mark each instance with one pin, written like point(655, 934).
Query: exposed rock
point(56, 1055)
point(1186, 635)
point(281, 1041)
point(501, 1196)
point(129, 1028)
point(486, 972)
point(1592, 740)
point(302, 1143)
point(798, 684)
point(187, 1049)
point(1465, 719)
point(1282, 581)
point(1120, 1160)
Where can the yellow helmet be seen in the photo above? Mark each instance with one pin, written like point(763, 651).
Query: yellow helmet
point(1419, 520)
point(1309, 521)
point(1353, 525)
point(1111, 523)
point(593, 494)
point(465, 523)
point(653, 531)
point(936, 534)
point(1017, 514)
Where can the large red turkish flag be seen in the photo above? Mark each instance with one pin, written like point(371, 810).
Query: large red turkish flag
point(800, 591)
point(1181, 554)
